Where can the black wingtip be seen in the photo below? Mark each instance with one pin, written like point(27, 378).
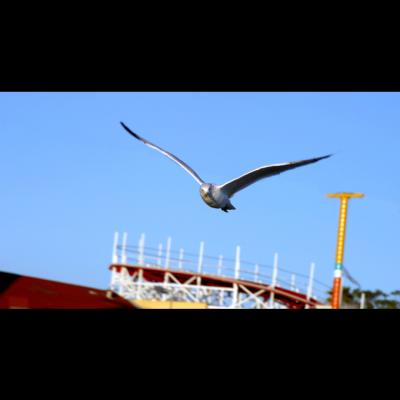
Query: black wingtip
point(323, 157)
point(129, 131)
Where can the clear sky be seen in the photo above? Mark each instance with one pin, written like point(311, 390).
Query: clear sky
point(71, 176)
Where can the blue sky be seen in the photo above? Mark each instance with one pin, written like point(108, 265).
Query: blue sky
point(71, 176)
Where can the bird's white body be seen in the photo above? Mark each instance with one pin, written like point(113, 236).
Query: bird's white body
point(218, 196)
point(215, 197)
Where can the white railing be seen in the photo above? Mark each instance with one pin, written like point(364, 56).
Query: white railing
point(164, 257)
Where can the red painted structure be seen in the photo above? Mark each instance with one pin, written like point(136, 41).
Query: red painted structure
point(289, 298)
point(18, 291)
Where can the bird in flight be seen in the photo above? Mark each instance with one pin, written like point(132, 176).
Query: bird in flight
point(218, 196)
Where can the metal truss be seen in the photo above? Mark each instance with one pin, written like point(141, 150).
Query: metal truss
point(217, 281)
point(133, 285)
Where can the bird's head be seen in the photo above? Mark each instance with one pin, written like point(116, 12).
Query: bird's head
point(205, 188)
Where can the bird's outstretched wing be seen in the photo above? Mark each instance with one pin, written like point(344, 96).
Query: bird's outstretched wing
point(166, 153)
point(233, 186)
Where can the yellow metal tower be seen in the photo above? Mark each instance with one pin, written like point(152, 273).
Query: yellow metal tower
point(337, 280)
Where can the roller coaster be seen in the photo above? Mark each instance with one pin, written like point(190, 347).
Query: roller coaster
point(151, 278)
point(145, 277)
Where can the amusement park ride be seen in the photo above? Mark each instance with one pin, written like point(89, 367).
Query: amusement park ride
point(178, 281)
point(145, 277)
point(337, 281)
point(198, 281)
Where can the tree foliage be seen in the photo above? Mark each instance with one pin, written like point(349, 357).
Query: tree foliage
point(351, 298)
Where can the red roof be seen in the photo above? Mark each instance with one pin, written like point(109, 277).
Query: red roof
point(18, 291)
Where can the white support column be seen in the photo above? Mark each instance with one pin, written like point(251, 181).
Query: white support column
point(166, 280)
point(235, 295)
point(139, 284)
point(310, 283)
point(221, 298)
point(181, 252)
point(140, 257)
point(167, 253)
point(159, 254)
point(275, 272)
point(256, 272)
point(219, 272)
point(362, 300)
point(220, 260)
point(237, 263)
point(113, 278)
point(293, 282)
point(115, 249)
point(200, 263)
point(198, 280)
point(124, 239)
point(274, 280)
point(122, 281)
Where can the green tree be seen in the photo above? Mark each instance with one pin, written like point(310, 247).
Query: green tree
point(351, 298)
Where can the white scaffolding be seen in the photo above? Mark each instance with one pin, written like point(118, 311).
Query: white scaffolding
point(182, 277)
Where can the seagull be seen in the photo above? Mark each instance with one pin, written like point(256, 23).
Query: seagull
point(218, 196)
